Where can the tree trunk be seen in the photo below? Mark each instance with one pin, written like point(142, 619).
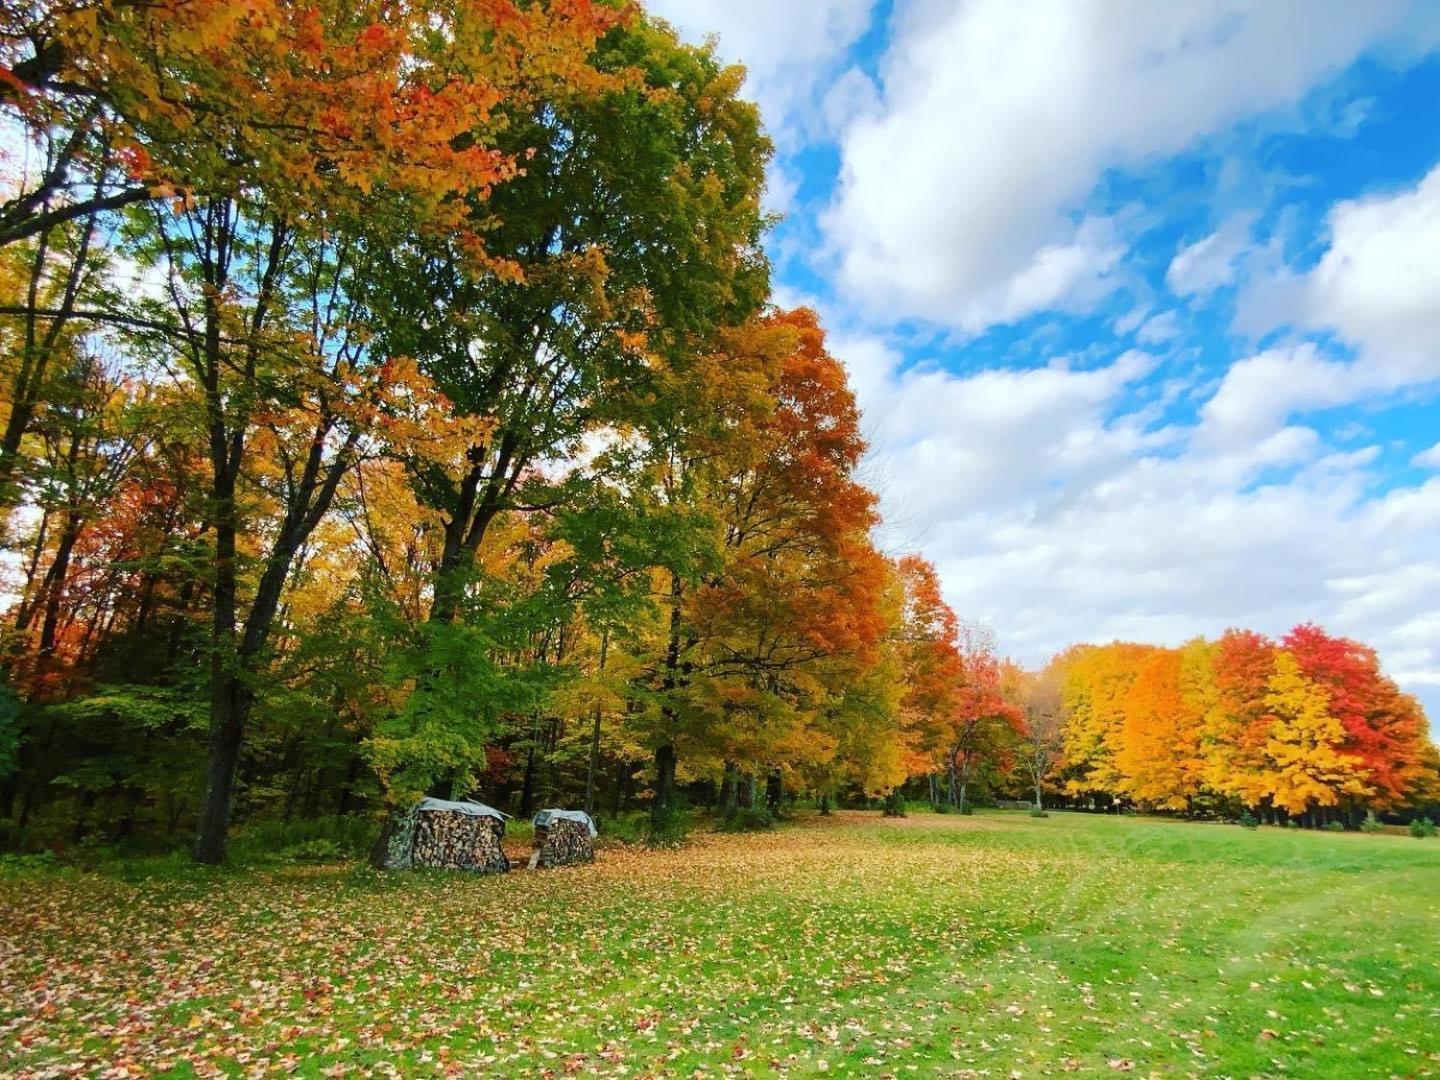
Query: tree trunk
point(527, 787)
point(825, 804)
point(664, 801)
point(1038, 804)
point(727, 797)
point(774, 793)
point(747, 791)
point(594, 766)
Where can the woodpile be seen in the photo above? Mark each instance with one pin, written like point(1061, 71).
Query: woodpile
point(451, 841)
point(563, 843)
point(440, 835)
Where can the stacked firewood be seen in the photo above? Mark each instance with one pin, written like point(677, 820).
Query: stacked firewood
point(454, 841)
point(563, 843)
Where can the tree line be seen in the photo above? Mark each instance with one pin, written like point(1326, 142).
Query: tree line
point(396, 403)
point(1306, 728)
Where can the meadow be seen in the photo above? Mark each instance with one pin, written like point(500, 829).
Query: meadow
point(992, 945)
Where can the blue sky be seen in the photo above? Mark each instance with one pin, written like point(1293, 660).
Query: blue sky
point(1141, 301)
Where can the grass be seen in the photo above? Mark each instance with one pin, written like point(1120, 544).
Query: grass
point(997, 945)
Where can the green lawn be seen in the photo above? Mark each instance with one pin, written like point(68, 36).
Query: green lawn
point(996, 945)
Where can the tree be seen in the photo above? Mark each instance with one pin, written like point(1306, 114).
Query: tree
point(1043, 741)
point(1309, 766)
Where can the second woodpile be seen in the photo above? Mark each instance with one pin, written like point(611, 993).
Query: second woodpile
point(563, 843)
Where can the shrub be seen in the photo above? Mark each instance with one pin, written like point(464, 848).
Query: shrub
point(745, 819)
point(1421, 828)
point(1037, 812)
point(1371, 824)
point(1248, 821)
point(942, 808)
point(670, 830)
point(1335, 826)
point(632, 827)
point(1291, 823)
point(320, 850)
point(13, 862)
point(894, 805)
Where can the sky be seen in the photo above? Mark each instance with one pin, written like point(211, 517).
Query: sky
point(1141, 301)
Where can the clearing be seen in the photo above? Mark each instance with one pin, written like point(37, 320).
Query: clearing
point(993, 945)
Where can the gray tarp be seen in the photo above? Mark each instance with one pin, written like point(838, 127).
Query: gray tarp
point(544, 817)
point(473, 809)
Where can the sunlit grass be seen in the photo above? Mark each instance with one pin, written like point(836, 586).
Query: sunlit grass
point(996, 943)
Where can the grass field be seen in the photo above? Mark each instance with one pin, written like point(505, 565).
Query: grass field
point(998, 945)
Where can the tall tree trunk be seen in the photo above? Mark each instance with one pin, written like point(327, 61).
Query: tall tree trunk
point(665, 758)
point(774, 793)
point(527, 788)
point(728, 789)
point(594, 765)
point(664, 802)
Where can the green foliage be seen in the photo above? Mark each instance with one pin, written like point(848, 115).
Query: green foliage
point(1422, 827)
point(746, 819)
point(15, 864)
point(1291, 823)
point(1335, 826)
point(670, 830)
point(895, 805)
point(1248, 821)
point(1038, 813)
point(1371, 824)
point(9, 731)
point(319, 850)
point(942, 808)
point(304, 840)
point(625, 828)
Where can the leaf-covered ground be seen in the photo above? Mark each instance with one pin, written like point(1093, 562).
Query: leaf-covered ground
point(997, 945)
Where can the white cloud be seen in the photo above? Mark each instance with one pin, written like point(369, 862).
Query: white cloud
point(1159, 329)
point(1427, 459)
point(957, 201)
point(1378, 284)
point(1209, 263)
point(1377, 287)
point(1056, 514)
point(790, 49)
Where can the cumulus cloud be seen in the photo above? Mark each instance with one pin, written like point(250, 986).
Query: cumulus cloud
point(1376, 287)
point(1378, 284)
point(790, 50)
point(1057, 514)
point(959, 198)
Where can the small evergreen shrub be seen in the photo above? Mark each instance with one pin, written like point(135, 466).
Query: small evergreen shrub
point(1421, 827)
point(1371, 824)
point(1291, 823)
point(894, 805)
point(1335, 826)
point(1037, 812)
point(1248, 821)
point(942, 808)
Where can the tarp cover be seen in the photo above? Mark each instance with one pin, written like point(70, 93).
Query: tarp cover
point(544, 817)
point(474, 809)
